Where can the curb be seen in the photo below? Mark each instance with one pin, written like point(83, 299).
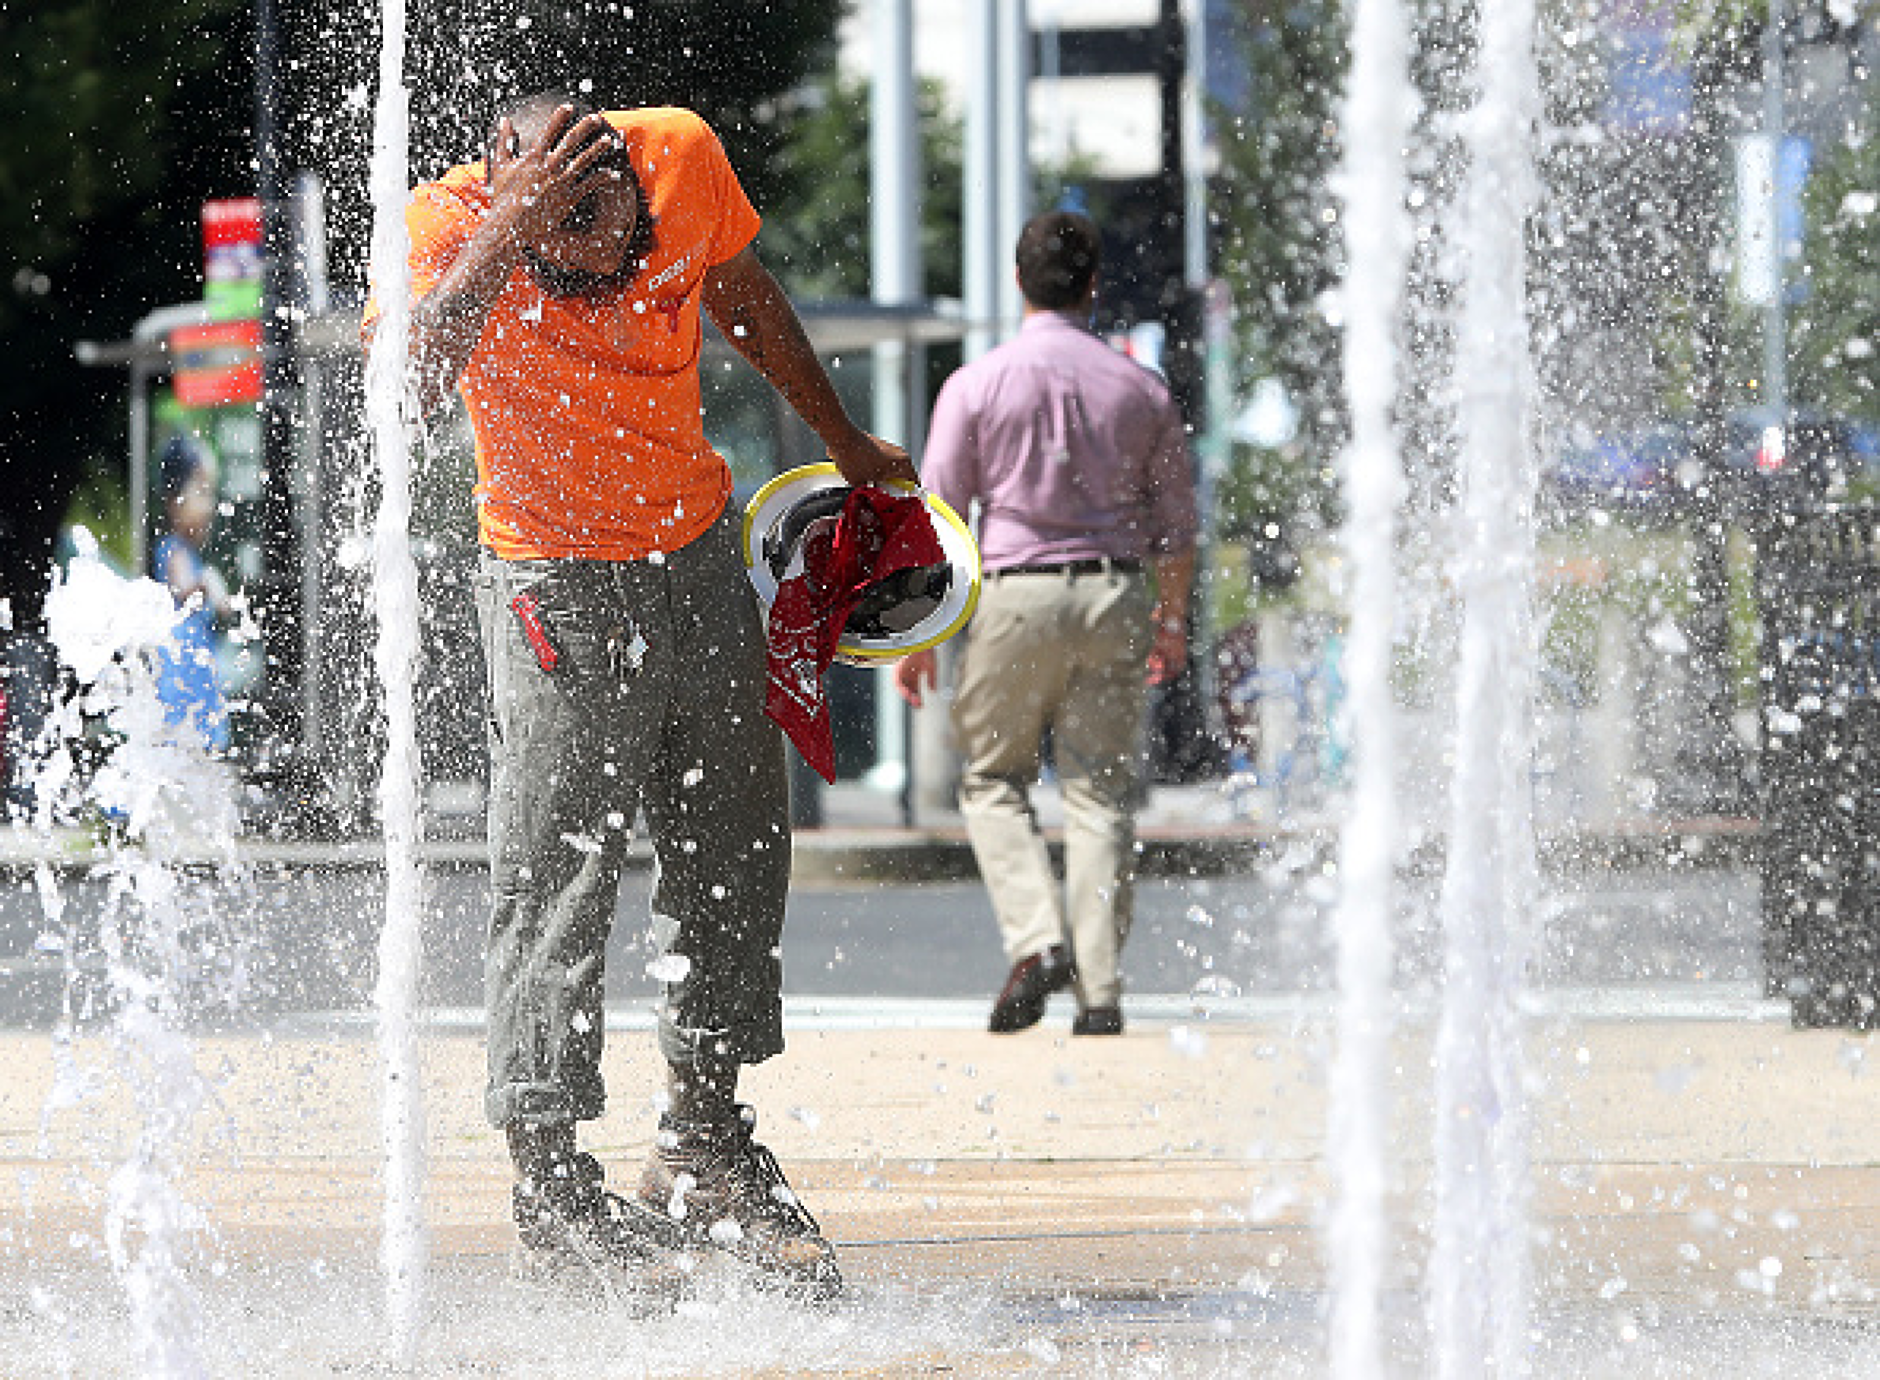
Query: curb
point(892, 854)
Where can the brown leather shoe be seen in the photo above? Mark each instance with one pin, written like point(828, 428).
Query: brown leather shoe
point(1032, 981)
point(1098, 1020)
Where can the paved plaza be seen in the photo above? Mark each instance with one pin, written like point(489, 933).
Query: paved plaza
point(1032, 1204)
point(1705, 1179)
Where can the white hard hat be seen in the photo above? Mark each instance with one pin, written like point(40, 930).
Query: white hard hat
point(907, 611)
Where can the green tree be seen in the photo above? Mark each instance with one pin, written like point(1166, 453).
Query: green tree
point(819, 236)
point(1280, 253)
point(118, 129)
point(124, 118)
point(1836, 329)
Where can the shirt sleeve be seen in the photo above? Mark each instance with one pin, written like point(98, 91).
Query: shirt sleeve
point(738, 221)
point(950, 464)
point(439, 226)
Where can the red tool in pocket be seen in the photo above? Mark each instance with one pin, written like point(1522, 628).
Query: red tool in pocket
point(528, 612)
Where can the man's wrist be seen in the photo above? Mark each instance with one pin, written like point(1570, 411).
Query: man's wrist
point(843, 436)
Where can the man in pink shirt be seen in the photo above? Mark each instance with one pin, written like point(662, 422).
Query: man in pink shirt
point(1079, 464)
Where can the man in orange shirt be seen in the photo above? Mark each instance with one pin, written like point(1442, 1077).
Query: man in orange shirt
point(558, 285)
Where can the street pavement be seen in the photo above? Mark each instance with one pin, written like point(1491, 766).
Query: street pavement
point(1225, 906)
point(1705, 1180)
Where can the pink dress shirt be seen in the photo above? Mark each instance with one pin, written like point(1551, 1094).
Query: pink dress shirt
point(1072, 449)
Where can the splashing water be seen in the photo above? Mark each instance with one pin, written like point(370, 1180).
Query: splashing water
point(395, 591)
point(1479, 1269)
point(1377, 123)
point(160, 793)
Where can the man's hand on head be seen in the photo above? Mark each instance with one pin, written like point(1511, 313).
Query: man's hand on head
point(535, 182)
point(536, 177)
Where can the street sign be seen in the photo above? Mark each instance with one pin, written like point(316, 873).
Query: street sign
point(231, 257)
point(217, 363)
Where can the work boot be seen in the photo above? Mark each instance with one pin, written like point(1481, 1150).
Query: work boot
point(571, 1230)
point(721, 1188)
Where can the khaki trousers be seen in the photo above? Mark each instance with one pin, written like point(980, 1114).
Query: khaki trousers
point(1066, 653)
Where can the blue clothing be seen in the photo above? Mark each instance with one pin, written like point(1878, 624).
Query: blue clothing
point(187, 682)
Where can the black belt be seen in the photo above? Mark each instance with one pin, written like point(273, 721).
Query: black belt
point(1089, 565)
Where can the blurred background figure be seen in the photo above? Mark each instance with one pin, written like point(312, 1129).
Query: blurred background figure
point(187, 677)
point(1079, 462)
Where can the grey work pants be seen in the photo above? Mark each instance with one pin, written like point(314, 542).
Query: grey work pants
point(655, 699)
point(1065, 652)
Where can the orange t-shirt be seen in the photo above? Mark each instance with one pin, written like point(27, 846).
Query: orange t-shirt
point(587, 410)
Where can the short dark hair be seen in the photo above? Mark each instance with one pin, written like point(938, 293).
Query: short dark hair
point(531, 111)
point(182, 456)
point(1058, 254)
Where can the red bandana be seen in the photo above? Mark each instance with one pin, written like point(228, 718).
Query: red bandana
point(876, 534)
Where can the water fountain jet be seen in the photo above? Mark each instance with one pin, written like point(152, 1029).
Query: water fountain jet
point(390, 406)
point(1377, 124)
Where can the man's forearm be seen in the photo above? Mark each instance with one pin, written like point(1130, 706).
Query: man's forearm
point(759, 321)
point(448, 321)
point(445, 328)
point(1174, 578)
point(757, 318)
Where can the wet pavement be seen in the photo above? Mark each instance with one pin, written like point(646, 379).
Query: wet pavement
point(1225, 907)
point(1030, 1204)
point(1705, 1196)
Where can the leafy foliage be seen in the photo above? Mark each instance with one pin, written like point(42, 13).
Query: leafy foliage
point(818, 240)
point(121, 120)
point(1280, 252)
point(1836, 330)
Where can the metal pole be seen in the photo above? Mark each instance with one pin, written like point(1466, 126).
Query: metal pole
point(311, 295)
point(279, 586)
point(934, 764)
point(1178, 730)
point(1195, 266)
point(895, 276)
point(894, 152)
point(979, 254)
point(1210, 321)
point(1775, 346)
point(1172, 196)
point(1013, 174)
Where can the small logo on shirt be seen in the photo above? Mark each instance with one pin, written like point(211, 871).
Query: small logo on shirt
point(670, 271)
point(670, 305)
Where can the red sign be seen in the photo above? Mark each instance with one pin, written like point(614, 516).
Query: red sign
point(216, 364)
point(231, 256)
